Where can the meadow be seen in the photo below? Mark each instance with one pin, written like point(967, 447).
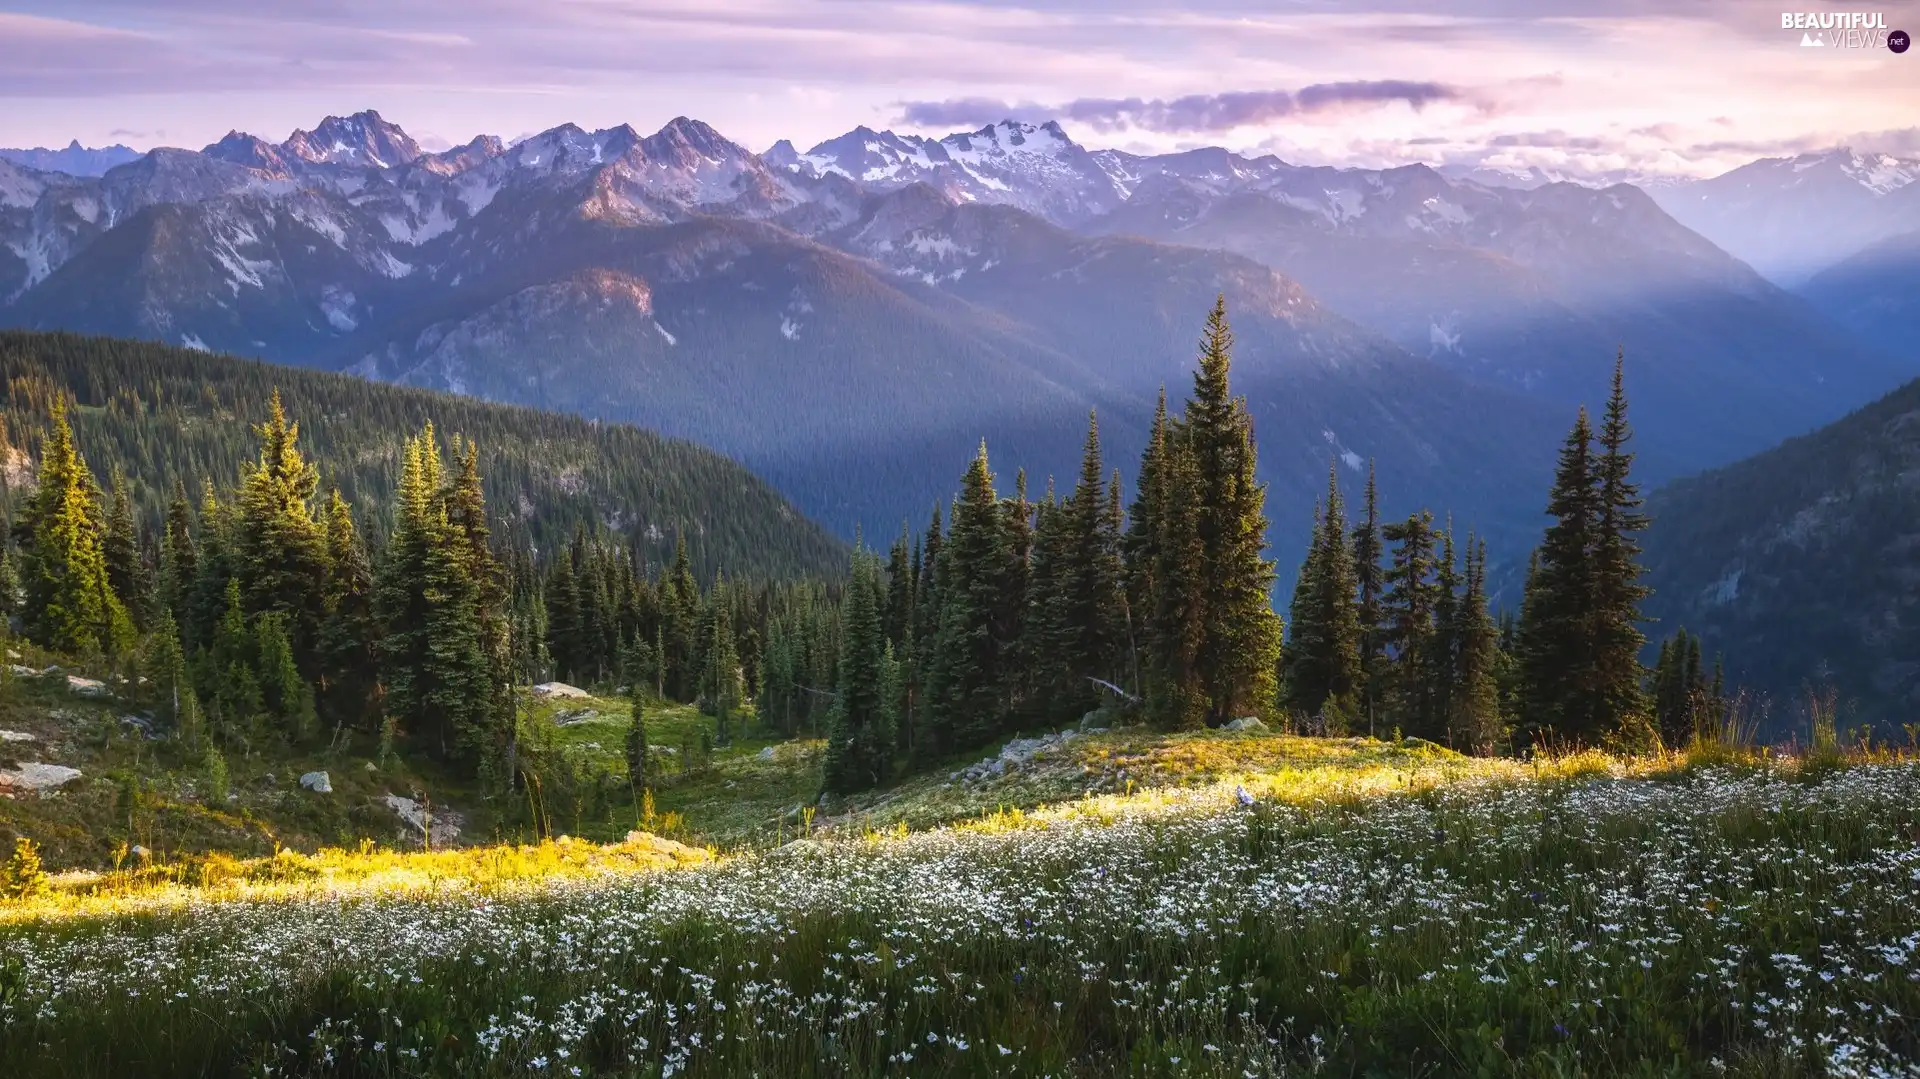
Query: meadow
point(1271, 906)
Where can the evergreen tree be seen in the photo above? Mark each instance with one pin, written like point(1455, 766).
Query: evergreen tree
point(127, 572)
point(1323, 660)
point(562, 597)
point(285, 696)
point(859, 743)
point(348, 687)
point(428, 604)
point(1473, 724)
point(1240, 634)
point(1681, 698)
point(900, 585)
point(178, 558)
point(230, 678)
point(967, 679)
point(1409, 603)
point(1175, 676)
point(1620, 705)
point(163, 663)
point(1559, 683)
point(1441, 664)
point(69, 603)
point(489, 717)
point(1367, 576)
point(921, 657)
point(1140, 554)
point(281, 545)
point(207, 600)
point(1090, 600)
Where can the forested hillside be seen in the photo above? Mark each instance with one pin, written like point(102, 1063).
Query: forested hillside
point(1800, 564)
point(164, 415)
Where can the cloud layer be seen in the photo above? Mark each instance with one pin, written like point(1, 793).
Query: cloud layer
point(1193, 114)
point(1590, 84)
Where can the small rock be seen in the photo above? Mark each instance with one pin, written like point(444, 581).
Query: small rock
point(16, 736)
point(559, 689)
point(22, 672)
point(372, 767)
point(764, 755)
point(86, 687)
point(1247, 723)
point(317, 782)
point(12, 654)
point(139, 852)
point(574, 719)
point(141, 724)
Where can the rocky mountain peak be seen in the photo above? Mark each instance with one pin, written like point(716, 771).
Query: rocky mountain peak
point(363, 138)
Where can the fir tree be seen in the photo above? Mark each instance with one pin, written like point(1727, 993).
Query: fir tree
point(178, 558)
point(127, 571)
point(281, 545)
point(1473, 723)
point(1559, 683)
point(1408, 604)
point(1620, 707)
point(348, 686)
point(859, 743)
point(1090, 600)
point(967, 679)
point(1323, 661)
point(1175, 676)
point(1372, 640)
point(1240, 640)
point(69, 602)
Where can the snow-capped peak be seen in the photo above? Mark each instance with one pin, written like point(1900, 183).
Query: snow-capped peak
point(363, 138)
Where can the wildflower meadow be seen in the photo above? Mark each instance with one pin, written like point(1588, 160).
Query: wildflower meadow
point(1750, 921)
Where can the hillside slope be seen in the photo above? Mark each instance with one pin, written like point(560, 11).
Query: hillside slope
point(163, 414)
point(1802, 564)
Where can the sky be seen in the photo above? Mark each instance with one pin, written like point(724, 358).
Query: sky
point(1580, 87)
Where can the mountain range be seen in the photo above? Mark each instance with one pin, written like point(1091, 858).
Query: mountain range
point(850, 320)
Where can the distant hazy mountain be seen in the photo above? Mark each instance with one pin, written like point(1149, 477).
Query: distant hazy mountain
point(75, 160)
point(852, 320)
point(1535, 290)
point(1802, 564)
point(1875, 294)
point(1792, 217)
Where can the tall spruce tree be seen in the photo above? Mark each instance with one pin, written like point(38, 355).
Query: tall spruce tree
point(127, 571)
point(968, 677)
point(1409, 604)
point(859, 743)
point(282, 560)
point(178, 557)
point(1366, 571)
point(1323, 658)
point(1620, 705)
point(1559, 691)
point(69, 603)
point(1088, 602)
point(1175, 674)
point(1240, 642)
point(1473, 723)
point(348, 688)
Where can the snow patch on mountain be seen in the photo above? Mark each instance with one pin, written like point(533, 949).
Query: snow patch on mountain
point(337, 304)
